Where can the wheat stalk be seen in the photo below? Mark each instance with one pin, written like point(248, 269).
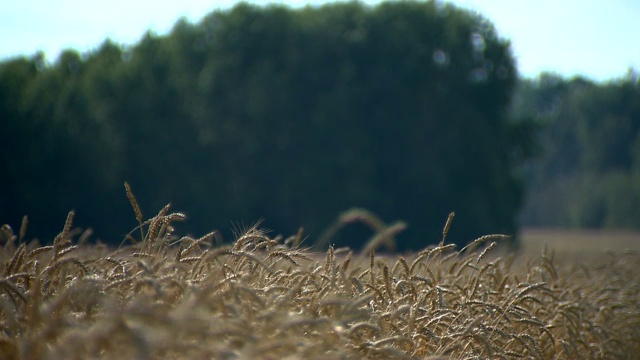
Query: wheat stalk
point(263, 297)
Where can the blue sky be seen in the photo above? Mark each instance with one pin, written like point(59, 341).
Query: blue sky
point(593, 38)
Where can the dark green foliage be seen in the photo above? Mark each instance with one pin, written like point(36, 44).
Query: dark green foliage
point(290, 115)
point(55, 153)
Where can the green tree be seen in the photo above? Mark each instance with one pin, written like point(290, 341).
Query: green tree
point(291, 115)
point(377, 107)
point(589, 160)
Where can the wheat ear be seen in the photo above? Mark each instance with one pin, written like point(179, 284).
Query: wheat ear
point(447, 225)
point(135, 206)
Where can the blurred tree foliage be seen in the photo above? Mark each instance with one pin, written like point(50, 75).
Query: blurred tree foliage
point(589, 172)
point(291, 115)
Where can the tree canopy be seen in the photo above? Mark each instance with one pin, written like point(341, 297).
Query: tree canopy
point(587, 175)
point(291, 115)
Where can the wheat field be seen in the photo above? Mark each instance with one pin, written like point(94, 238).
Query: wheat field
point(162, 296)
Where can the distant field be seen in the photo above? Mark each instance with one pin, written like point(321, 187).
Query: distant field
point(579, 241)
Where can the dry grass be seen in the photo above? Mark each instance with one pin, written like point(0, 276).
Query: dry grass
point(164, 297)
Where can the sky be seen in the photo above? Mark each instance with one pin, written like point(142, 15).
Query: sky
point(596, 39)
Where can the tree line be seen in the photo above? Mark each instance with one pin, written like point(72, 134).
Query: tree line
point(587, 174)
point(294, 116)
